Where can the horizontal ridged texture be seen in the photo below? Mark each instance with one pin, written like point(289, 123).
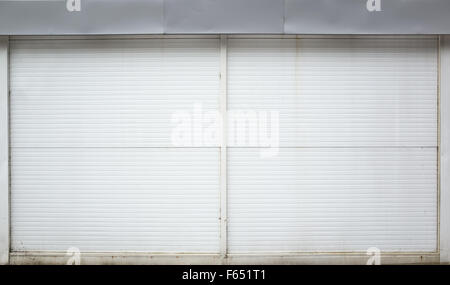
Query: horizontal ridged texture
point(332, 199)
point(93, 165)
point(339, 92)
point(108, 92)
point(151, 199)
point(358, 134)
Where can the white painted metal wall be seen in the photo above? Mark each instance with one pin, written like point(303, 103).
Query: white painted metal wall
point(93, 167)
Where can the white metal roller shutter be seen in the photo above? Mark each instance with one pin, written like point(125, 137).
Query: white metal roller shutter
point(93, 166)
point(357, 164)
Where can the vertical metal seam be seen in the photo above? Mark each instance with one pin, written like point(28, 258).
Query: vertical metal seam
point(9, 142)
point(5, 175)
point(438, 210)
point(223, 148)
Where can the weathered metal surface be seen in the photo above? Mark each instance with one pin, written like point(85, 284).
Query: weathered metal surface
point(45, 17)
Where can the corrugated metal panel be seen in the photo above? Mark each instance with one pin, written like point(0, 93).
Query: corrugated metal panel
point(147, 199)
point(108, 92)
point(358, 136)
point(92, 161)
point(340, 92)
point(332, 199)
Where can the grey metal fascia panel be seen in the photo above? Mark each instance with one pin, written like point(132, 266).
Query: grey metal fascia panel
point(353, 17)
point(219, 16)
point(50, 17)
point(95, 17)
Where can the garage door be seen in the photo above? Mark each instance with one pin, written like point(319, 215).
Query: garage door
point(93, 165)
